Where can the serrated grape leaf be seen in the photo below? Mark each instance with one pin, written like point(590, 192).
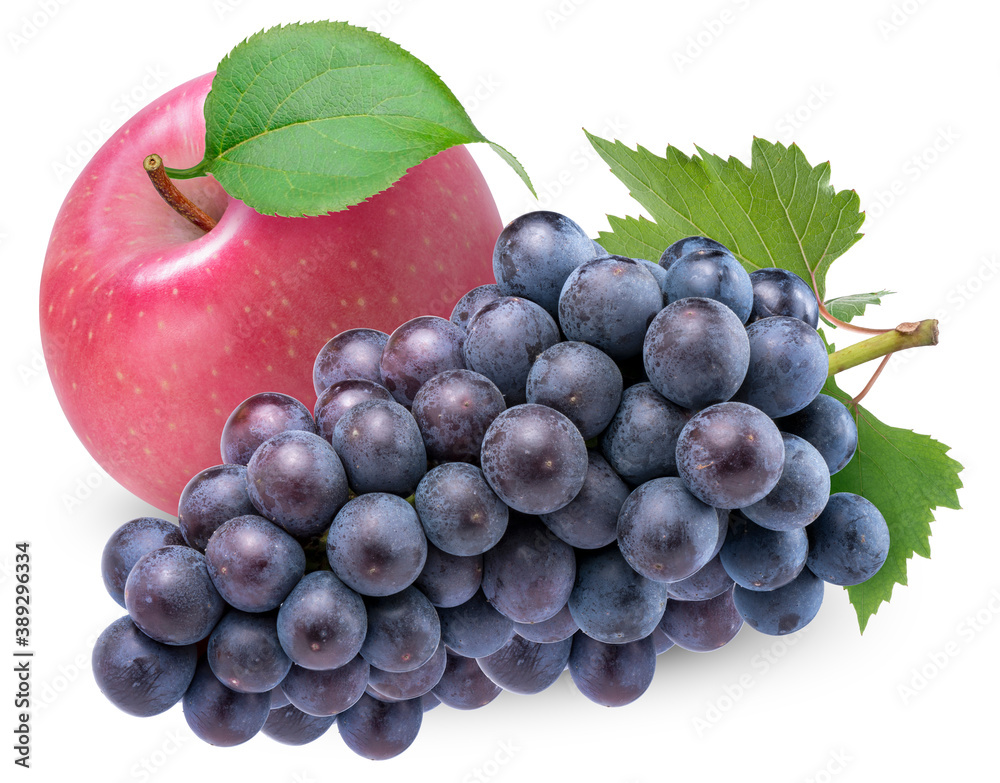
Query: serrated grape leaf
point(848, 307)
point(777, 212)
point(906, 475)
point(313, 118)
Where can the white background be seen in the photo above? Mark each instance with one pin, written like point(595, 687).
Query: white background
point(897, 95)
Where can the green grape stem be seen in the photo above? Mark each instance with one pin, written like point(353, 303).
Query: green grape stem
point(906, 335)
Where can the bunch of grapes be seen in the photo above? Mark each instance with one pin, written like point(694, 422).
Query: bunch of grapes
point(595, 459)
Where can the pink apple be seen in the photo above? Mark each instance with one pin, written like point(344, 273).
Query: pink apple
point(154, 331)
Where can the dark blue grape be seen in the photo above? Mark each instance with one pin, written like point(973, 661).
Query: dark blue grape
point(611, 602)
point(379, 730)
point(526, 667)
point(453, 410)
point(529, 575)
point(376, 544)
point(403, 631)
point(696, 352)
point(800, 494)
point(689, 245)
point(641, 440)
point(460, 513)
point(329, 691)
point(590, 520)
point(399, 686)
point(380, 446)
point(609, 302)
point(536, 252)
point(449, 580)
point(139, 675)
point(322, 623)
point(475, 628)
point(730, 455)
point(130, 542)
point(219, 715)
point(259, 418)
point(784, 610)
point(211, 497)
point(712, 274)
point(170, 596)
point(504, 339)
point(291, 726)
point(761, 559)
point(351, 354)
point(278, 698)
point(417, 351)
point(661, 642)
point(707, 582)
point(657, 271)
point(664, 532)
point(471, 303)
point(297, 481)
point(245, 654)
point(829, 426)
point(429, 701)
point(253, 563)
point(338, 398)
point(580, 381)
point(612, 675)
point(702, 626)
point(463, 686)
point(788, 366)
point(723, 528)
point(534, 458)
point(780, 292)
point(558, 627)
point(849, 542)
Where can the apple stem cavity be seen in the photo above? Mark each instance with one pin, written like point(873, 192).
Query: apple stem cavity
point(181, 204)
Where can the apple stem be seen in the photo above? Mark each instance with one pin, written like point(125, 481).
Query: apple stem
point(181, 204)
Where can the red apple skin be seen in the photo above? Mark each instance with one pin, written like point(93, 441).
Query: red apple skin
point(154, 331)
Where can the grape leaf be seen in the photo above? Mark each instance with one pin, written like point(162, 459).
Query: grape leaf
point(313, 118)
point(782, 212)
point(906, 475)
point(779, 211)
point(848, 307)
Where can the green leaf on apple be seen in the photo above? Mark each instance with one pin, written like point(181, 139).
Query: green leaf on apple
point(782, 212)
point(312, 118)
point(846, 308)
